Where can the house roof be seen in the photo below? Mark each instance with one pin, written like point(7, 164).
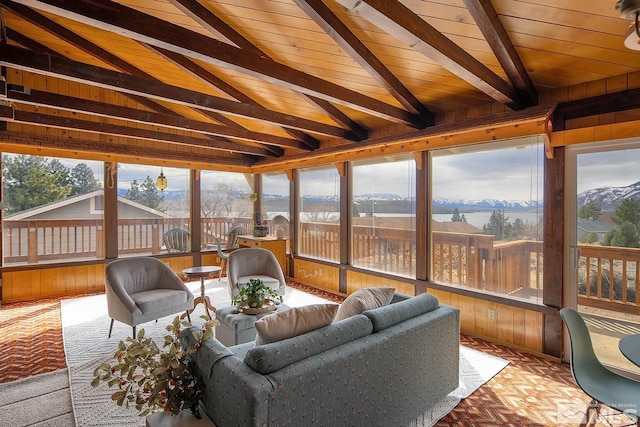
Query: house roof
point(238, 84)
point(43, 209)
point(593, 225)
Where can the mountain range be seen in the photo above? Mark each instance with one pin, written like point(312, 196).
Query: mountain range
point(607, 198)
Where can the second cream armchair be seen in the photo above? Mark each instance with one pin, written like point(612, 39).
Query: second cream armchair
point(254, 263)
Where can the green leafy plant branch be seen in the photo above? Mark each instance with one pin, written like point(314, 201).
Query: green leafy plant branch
point(254, 293)
point(152, 379)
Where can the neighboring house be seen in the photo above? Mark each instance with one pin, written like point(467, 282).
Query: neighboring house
point(86, 206)
point(71, 229)
point(456, 227)
point(587, 226)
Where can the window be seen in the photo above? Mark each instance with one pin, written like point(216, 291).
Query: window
point(225, 204)
point(152, 221)
point(319, 220)
point(275, 201)
point(53, 209)
point(603, 242)
point(487, 217)
point(384, 215)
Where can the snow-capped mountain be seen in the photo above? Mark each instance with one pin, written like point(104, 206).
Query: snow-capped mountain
point(378, 196)
point(487, 204)
point(608, 198)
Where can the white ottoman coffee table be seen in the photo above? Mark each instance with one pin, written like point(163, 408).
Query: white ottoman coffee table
point(238, 328)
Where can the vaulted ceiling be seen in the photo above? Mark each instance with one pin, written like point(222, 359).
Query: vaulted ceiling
point(246, 82)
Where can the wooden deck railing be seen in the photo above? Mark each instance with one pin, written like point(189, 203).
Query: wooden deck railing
point(608, 277)
point(471, 260)
point(50, 240)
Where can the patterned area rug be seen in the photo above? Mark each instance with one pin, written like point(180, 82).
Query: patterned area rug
point(85, 327)
point(39, 400)
point(476, 368)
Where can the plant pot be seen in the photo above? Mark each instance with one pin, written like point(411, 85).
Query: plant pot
point(267, 306)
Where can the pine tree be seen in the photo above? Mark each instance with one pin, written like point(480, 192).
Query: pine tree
point(498, 225)
point(146, 193)
point(628, 211)
point(626, 236)
point(456, 216)
point(83, 180)
point(590, 211)
point(30, 181)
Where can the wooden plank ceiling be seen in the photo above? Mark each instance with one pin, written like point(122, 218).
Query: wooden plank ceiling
point(241, 82)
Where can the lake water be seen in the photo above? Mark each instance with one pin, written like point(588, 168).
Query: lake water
point(478, 219)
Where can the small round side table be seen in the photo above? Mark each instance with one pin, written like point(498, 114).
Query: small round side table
point(202, 273)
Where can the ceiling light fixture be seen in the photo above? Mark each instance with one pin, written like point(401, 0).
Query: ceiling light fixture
point(161, 182)
point(630, 9)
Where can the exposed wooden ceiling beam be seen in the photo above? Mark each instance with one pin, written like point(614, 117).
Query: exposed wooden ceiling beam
point(116, 18)
point(211, 79)
point(506, 125)
point(337, 116)
point(85, 45)
point(39, 119)
point(202, 15)
point(212, 23)
point(27, 42)
point(496, 35)
point(80, 105)
point(39, 144)
point(601, 104)
point(400, 22)
point(340, 33)
point(23, 59)
point(63, 33)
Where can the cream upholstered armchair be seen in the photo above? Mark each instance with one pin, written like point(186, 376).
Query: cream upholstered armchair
point(254, 263)
point(140, 289)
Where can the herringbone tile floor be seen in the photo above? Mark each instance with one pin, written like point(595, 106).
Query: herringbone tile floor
point(528, 392)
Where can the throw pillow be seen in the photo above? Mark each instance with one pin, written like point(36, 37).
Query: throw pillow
point(293, 322)
point(362, 300)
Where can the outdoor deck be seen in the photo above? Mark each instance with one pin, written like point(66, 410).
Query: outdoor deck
point(472, 261)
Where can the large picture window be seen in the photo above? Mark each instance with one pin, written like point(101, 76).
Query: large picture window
point(227, 207)
point(153, 220)
point(319, 221)
point(275, 202)
point(486, 206)
point(384, 215)
point(53, 209)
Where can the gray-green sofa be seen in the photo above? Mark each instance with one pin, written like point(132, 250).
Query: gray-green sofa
point(384, 367)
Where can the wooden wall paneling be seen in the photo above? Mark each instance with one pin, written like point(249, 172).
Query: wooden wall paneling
point(179, 263)
point(513, 326)
point(68, 281)
point(504, 322)
point(533, 335)
point(308, 272)
point(519, 327)
point(211, 258)
point(482, 326)
point(467, 315)
point(7, 288)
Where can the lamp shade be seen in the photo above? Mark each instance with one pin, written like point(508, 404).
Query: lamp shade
point(161, 182)
point(631, 38)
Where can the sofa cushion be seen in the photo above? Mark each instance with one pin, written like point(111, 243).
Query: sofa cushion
point(392, 314)
point(364, 299)
point(293, 322)
point(272, 357)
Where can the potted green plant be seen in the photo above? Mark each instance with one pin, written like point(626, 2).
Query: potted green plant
point(153, 379)
point(256, 297)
